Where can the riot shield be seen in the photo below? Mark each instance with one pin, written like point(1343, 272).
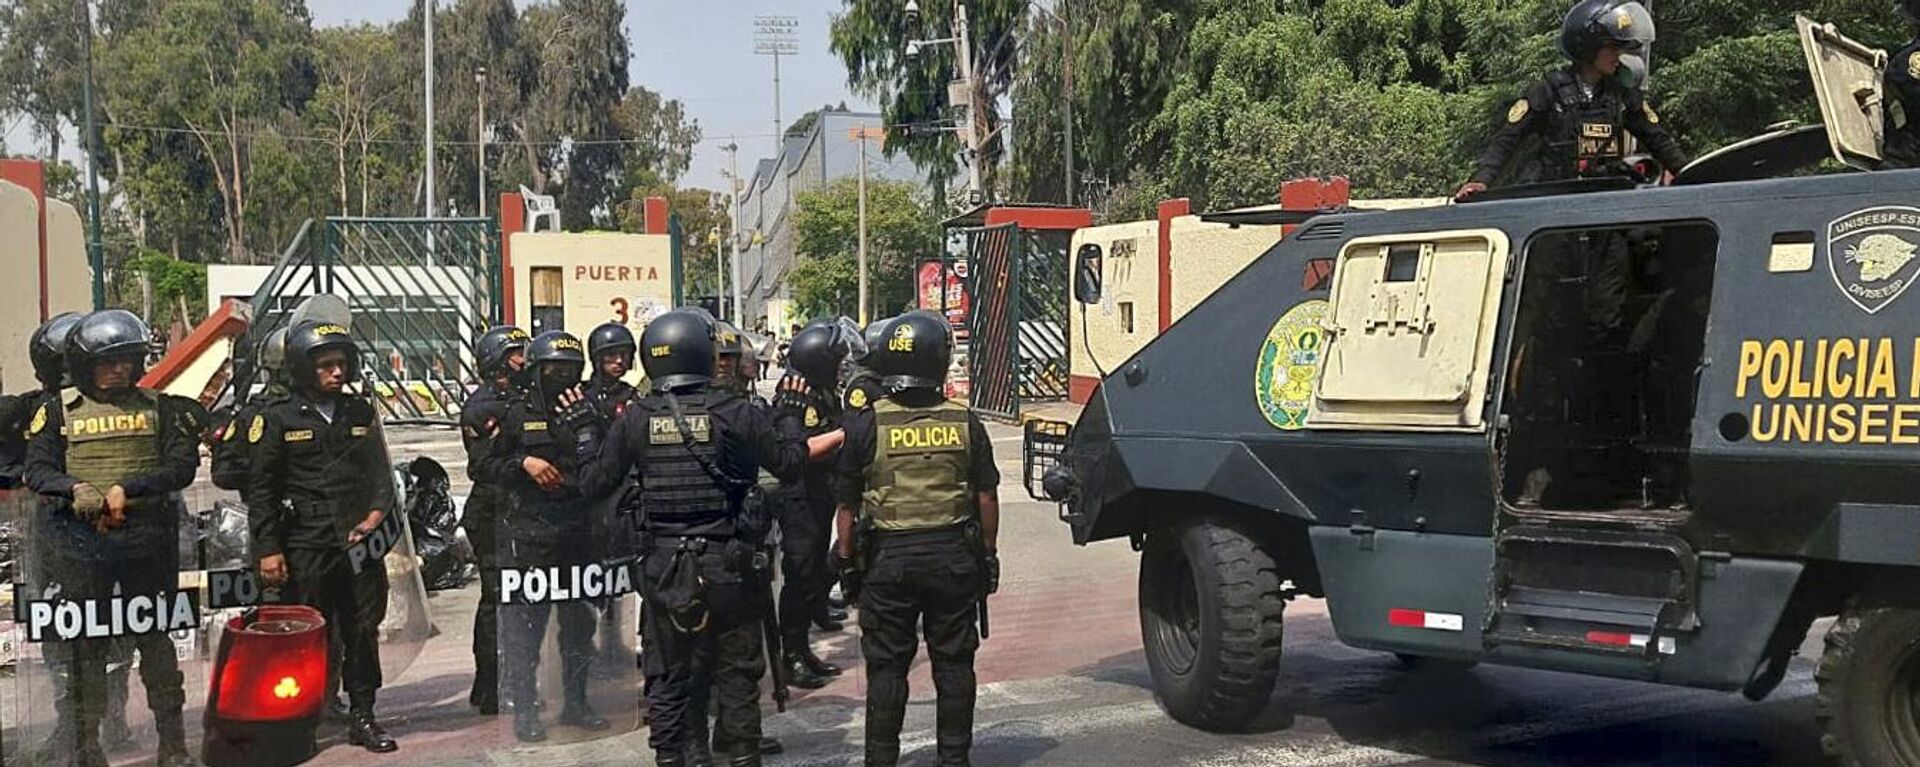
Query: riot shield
point(107, 628)
point(567, 619)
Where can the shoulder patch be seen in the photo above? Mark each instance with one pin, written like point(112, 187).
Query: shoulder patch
point(1518, 111)
point(534, 426)
point(358, 431)
point(39, 421)
point(1913, 65)
point(232, 430)
point(857, 399)
point(257, 429)
point(1652, 116)
point(813, 417)
point(298, 435)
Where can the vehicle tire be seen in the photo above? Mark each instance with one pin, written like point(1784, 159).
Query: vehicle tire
point(1211, 619)
point(1424, 664)
point(1869, 687)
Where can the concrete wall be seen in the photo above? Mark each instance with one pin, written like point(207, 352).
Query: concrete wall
point(1206, 255)
point(69, 277)
point(603, 274)
point(1130, 281)
point(20, 292)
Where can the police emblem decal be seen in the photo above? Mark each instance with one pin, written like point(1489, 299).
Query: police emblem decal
point(1871, 254)
point(1289, 364)
point(1518, 111)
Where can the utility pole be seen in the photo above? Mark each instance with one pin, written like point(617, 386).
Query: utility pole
point(1066, 92)
point(860, 135)
point(96, 250)
point(733, 204)
point(776, 36)
point(480, 130)
point(976, 193)
point(429, 94)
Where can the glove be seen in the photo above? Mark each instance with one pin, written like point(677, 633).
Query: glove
point(791, 396)
point(89, 503)
point(852, 577)
point(579, 414)
point(992, 563)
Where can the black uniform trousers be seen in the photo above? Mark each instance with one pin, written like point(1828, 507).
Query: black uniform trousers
point(806, 533)
point(524, 626)
point(684, 667)
point(480, 522)
point(354, 605)
point(918, 582)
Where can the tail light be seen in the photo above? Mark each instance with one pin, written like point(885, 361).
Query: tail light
point(271, 667)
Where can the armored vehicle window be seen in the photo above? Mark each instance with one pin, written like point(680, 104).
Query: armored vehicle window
point(1606, 348)
point(1410, 331)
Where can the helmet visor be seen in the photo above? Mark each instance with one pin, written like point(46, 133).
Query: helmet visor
point(849, 335)
point(1628, 25)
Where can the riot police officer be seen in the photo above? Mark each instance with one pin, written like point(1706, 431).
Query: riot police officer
point(1582, 112)
point(816, 353)
point(501, 354)
point(230, 464)
point(860, 383)
point(1902, 120)
point(610, 350)
point(46, 349)
point(697, 451)
point(317, 487)
point(918, 547)
point(112, 457)
point(730, 363)
point(528, 452)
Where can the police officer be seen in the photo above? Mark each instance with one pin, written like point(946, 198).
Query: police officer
point(1902, 149)
point(46, 349)
point(697, 451)
point(501, 354)
point(112, 456)
point(860, 383)
point(610, 350)
point(917, 489)
point(230, 456)
point(318, 485)
point(816, 353)
point(528, 453)
point(1582, 112)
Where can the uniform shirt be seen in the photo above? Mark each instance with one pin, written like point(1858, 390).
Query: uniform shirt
point(313, 479)
point(750, 439)
point(181, 422)
point(230, 448)
point(1534, 114)
point(479, 416)
point(523, 429)
point(16, 412)
point(856, 453)
point(1902, 96)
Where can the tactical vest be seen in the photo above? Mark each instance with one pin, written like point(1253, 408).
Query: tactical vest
point(918, 477)
point(109, 444)
point(1586, 135)
point(679, 492)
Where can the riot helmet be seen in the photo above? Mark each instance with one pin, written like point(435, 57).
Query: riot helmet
point(272, 354)
point(48, 349)
point(102, 336)
point(819, 348)
point(677, 350)
point(728, 348)
point(307, 341)
point(496, 347)
point(915, 355)
point(1593, 24)
point(557, 359)
point(610, 338)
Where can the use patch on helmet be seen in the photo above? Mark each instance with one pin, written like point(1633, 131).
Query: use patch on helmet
point(902, 340)
point(661, 350)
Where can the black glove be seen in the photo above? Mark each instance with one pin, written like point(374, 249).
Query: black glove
point(579, 414)
point(787, 398)
point(992, 564)
point(852, 576)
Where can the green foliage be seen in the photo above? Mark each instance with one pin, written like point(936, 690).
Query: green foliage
point(902, 228)
point(177, 286)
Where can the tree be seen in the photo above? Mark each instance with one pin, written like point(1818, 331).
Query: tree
point(355, 107)
point(704, 228)
point(902, 228)
point(41, 65)
point(580, 52)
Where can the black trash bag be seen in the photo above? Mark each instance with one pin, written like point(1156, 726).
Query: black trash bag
point(446, 558)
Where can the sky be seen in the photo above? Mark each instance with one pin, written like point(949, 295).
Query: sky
point(701, 53)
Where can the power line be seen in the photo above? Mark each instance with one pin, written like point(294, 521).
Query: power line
point(258, 135)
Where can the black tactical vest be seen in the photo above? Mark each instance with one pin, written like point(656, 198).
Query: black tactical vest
point(1586, 135)
point(681, 496)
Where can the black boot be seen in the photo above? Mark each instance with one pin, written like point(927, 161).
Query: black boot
point(173, 740)
point(744, 757)
point(578, 713)
point(820, 667)
point(115, 735)
point(527, 727)
point(669, 759)
point(337, 711)
point(363, 731)
point(771, 745)
point(698, 755)
point(801, 675)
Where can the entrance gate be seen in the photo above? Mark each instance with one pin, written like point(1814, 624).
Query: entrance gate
point(1017, 350)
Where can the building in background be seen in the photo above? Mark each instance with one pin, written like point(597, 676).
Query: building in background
point(825, 153)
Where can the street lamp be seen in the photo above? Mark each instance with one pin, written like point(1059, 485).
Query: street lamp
point(962, 86)
point(480, 130)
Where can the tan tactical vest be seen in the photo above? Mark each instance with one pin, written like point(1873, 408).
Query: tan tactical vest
point(918, 478)
point(109, 444)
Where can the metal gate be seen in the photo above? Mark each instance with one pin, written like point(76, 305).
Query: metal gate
point(1017, 350)
point(421, 292)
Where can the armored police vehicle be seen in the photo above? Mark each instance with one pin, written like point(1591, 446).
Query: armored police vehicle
point(1479, 448)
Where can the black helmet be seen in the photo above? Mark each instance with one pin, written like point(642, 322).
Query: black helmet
point(48, 349)
point(307, 340)
point(609, 337)
point(819, 348)
point(496, 345)
point(678, 350)
point(727, 340)
point(104, 334)
point(915, 354)
point(557, 359)
point(1595, 23)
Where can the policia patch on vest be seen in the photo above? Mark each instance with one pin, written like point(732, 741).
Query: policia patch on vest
point(1518, 112)
point(926, 438)
point(661, 430)
point(115, 425)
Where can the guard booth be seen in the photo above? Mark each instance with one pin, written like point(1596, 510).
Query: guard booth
point(1018, 335)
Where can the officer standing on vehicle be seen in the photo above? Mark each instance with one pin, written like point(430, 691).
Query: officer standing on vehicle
point(610, 350)
point(1902, 147)
point(918, 525)
point(549, 523)
point(806, 526)
point(1582, 112)
point(697, 451)
point(116, 530)
point(501, 353)
point(318, 486)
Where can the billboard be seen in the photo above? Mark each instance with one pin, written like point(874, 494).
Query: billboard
point(941, 286)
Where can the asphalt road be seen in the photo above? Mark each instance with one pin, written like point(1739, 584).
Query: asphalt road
point(1064, 683)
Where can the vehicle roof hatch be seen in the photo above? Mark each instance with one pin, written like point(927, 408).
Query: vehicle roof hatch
point(1847, 78)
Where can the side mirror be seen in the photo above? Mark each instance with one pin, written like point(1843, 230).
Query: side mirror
point(1086, 274)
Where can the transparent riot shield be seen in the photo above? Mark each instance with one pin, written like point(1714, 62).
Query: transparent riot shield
point(108, 657)
point(567, 620)
point(407, 625)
